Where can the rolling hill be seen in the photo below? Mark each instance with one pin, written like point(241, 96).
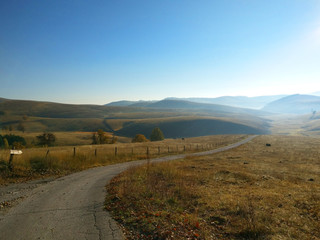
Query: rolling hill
point(177, 118)
point(192, 127)
point(294, 104)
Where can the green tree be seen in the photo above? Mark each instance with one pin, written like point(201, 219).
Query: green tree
point(139, 138)
point(94, 138)
point(11, 138)
point(5, 144)
point(156, 135)
point(46, 139)
point(114, 139)
point(100, 137)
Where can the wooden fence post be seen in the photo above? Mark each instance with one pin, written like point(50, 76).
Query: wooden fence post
point(10, 165)
point(115, 151)
point(47, 153)
point(74, 151)
point(131, 154)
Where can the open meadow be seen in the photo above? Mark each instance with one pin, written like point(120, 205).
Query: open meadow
point(251, 192)
point(60, 160)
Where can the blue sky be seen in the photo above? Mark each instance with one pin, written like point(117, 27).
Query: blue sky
point(101, 51)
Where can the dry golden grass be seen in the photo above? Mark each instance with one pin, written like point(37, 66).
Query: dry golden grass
point(251, 192)
point(62, 160)
point(301, 125)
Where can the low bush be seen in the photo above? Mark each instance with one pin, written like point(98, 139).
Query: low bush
point(39, 164)
point(139, 138)
point(3, 166)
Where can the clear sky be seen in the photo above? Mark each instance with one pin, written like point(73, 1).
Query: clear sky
point(97, 51)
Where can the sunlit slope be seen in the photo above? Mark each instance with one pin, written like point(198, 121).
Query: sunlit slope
point(303, 125)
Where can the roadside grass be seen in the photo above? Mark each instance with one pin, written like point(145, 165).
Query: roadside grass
point(57, 161)
point(251, 192)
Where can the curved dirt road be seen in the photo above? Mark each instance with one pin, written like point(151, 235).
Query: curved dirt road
point(71, 207)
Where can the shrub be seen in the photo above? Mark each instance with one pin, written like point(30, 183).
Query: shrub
point(39, 164)
point(139, 138)
point(3, 166)
point(114, 140)
point(13, 139)
point(46, 139)
point(101, 137)
point(5, 144)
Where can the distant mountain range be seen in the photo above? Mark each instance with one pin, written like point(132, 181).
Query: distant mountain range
point(196, 106)
point(293, 104)
point(125, 103)
point(238, 101)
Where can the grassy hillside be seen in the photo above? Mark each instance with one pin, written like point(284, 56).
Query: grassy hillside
point(57, 110)
point(250, 192)
point(175, 118)
point(303, 125)
point(190, 127)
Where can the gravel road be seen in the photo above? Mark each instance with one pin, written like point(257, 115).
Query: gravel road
point(69, 207)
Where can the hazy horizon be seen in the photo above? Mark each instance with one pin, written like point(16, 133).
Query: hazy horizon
point(103, 51)
point(155, 100)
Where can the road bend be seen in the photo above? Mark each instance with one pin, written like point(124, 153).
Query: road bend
point(72, 207)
